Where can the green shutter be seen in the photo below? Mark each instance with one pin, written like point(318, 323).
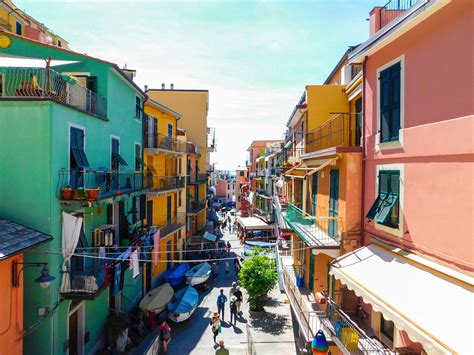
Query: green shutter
point(142, 206)
point(385, 209)
point(395, 101)
point(385, 105)
point(375, 207)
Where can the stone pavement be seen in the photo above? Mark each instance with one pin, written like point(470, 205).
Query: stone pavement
point(270, 330)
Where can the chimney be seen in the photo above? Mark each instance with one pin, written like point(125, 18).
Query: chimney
point(162, 86)
point(146, 87)
point(375, 23)
point(172, 86)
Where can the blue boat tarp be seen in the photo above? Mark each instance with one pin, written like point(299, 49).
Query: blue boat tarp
point(199, 270)
point(210, 237)
point(184, 301)
point(175, 276)
point(263, 245)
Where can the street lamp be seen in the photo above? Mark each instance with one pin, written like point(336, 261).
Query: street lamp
point(44, 279)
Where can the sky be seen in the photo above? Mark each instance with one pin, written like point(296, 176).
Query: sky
point(254, 57)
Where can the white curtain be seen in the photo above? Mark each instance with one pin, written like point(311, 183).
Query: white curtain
point(71, 233)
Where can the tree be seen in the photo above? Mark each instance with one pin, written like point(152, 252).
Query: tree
point(258, 276)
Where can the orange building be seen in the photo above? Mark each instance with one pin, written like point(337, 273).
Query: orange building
point(15, 239)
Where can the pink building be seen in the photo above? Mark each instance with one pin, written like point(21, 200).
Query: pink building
point(412, 283)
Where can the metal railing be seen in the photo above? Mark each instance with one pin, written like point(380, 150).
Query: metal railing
point(86, 283)
point(192, 148)
point(196, 178)
point(161, 141)
point(290, 156)
point(171, 224)
point(196, 206)
point(37, 83)
point(330, 134)
point(316, 231)
point(109, 183)
point(5, 25)
point(394, 8)
point(164, 183)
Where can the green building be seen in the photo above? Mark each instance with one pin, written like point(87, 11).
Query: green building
point(68, 127)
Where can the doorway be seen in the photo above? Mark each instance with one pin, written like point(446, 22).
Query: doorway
point(76, 326)
point(333, 203)
point(311, 272)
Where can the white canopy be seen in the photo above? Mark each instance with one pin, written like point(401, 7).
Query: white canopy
point(253, 223)
point(434, 307)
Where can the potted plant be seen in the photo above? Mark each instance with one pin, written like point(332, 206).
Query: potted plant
point(93, 194)
point(80, 194)
point(66, 193)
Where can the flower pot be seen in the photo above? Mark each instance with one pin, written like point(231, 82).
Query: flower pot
point(118, 193)
point(92, 194)
point(79, 194)
point(66, 193)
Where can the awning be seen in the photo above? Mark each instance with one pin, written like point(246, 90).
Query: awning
point(434, 305)
point(322, 166)
point(253, 223)
point(259, 158)
point(269, 156)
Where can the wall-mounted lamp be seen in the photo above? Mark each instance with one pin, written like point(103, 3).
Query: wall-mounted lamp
point(44, 280)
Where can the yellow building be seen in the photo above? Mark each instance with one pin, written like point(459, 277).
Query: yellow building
point(193, 106)
point(19, 22)
point(163, 154)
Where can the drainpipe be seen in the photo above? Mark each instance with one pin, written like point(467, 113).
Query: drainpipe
point(362, 216)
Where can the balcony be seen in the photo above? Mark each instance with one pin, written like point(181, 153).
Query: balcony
point(194, 207)
point(337, 132)
point(87, 282)
point(196, 179)
point(163, 184)
point(47, 84)
point(160, 143)
point(172, 224)
point(317, 232)
point(211, 139)
point(345, 331)
point(192, 148)
point(392, 9)
point(88, 185)
point(290, 157)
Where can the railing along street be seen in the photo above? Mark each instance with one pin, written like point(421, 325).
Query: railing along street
point(45, 83)
point(394, 8)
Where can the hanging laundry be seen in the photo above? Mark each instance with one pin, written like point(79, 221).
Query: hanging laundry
point(134, 263)
point(117, 280)
point(102, 253)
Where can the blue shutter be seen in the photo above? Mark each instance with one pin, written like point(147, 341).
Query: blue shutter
point(170, 130)
point(385, 105)
point(395, 101)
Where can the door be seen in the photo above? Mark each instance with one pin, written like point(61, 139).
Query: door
point(311, 271)
point(168, 209)
point(333, 202)
point(73, 336)
point(149, 212)
point(358, 117)
point(314, 193)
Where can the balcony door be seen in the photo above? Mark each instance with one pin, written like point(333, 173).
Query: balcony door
point(333, 202)
point(168, 210)
point(311, 272)
point(314, 193)
point(76, 326)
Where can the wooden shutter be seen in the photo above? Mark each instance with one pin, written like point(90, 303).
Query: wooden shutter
point(142, 206)
point(395, 101)
point(385, 105)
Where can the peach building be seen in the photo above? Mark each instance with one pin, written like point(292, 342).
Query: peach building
point(417, 207)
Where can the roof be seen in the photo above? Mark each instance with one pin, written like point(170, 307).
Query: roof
point(16, 238)
point(407, 289)
point(253, 223)
point(162, 107)
point(338, 65)
point(190, 90)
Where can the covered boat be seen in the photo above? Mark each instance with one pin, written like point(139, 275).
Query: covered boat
point(198, 274)
point(183, 304)
point(157, 299)
point(175, 275)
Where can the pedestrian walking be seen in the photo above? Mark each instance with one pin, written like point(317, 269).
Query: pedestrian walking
point(165, 336)
point(239, 296)
point(215, 326)
point(222, 349)
point(221, 300)
point(229, 246)
point(215, 270)
point(233, 310)
point(227, 268)
point(233, 289)
point(236, 266)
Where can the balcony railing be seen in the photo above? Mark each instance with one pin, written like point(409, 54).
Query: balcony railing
point(290, 157)
point(394, 8)
point(40, 83)
point(5, 25)
point(94, 185)
point(171, 224)
point(166, 183)
point(192, 148)
point(318, 232)
point(87, 282)
point(333, 133)
point(196, 206)
point(164, 142)
point(196, 179)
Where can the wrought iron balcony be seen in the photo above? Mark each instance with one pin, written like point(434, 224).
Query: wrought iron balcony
point(171, 224)
point(45, 83)
point(194, 206)
point(92, 185)
point(165, 143)
point(166, 183)
point(394, 8)
point(192, 148)
point(318, 232)
point(86, 282)
point(194, 179)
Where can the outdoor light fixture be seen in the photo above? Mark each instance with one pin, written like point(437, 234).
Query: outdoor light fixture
point(44, 280)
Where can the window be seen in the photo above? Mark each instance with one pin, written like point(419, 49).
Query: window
point(138, 108)
point(170, 130)
point(142, 209)
point(390, 103)
point(59, 43)
point(116, 158)
point(19, 29)
point(78, 158)
point(241, 173)
point(179, 166)
point(387, 328)
point(138, 157)
point(134, 211)
point(385, 209)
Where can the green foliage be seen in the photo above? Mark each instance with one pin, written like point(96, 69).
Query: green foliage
point(258, 276)
point(114, 326)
